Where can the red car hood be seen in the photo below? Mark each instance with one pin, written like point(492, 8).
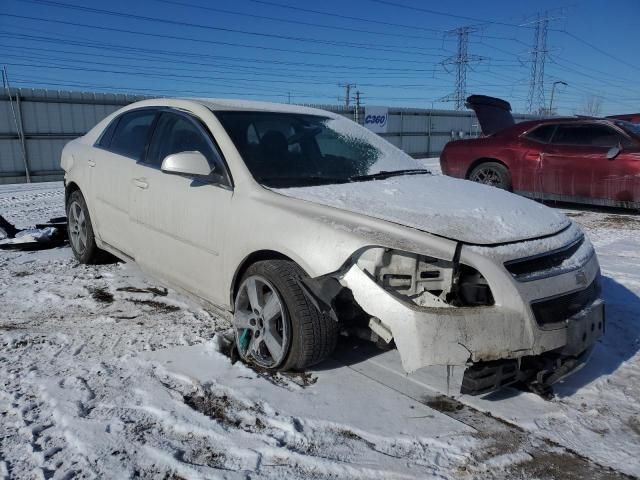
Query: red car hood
point(494, 114)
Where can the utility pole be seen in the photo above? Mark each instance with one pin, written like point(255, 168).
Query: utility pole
point(17, 120)
point(553, 89)
point(356, 114)
point(347, 93)
point(535, 99)
point(460, 60)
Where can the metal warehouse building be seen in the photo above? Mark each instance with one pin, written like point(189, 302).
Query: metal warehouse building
point(36, 124)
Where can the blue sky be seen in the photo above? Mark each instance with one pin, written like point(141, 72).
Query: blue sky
point(395, 51)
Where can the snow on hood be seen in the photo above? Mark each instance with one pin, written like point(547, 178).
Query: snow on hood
point(456, 209)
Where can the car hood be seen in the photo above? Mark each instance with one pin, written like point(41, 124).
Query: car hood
point(494, 114)
point(456, 209)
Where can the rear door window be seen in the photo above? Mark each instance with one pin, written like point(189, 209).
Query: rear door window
point(541, 134)
point(105, 139)
point(131, 133)
point(587, 135)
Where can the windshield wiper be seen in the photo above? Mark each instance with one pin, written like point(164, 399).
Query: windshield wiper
point(310, 180)
point(386, 174)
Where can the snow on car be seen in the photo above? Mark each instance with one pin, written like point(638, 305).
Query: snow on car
point(300, 223)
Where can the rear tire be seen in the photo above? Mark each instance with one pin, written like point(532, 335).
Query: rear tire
point(80, 230)
point(307, 336)
point(493, 174)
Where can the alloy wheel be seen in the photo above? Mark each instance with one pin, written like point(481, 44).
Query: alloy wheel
point(77, 227)
point(261, 326)
point(487, 176)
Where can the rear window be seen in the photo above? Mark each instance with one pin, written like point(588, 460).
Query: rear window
point(587, 135)
point(542, 133)
point(131, 133)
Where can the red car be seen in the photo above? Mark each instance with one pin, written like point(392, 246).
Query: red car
point(584, 160)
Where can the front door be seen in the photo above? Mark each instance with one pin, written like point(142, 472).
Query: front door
point(179, 222)
point(575, 163)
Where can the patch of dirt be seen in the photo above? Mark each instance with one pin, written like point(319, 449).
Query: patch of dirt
point(624, 222)
point(205, 456)
point(354, 436)
point(443, 404)
point(634, 424)
point(219, 408)
point(162, 307)
point(553, 465)
point(101, 295)
point(156, 292)
point(227, 346)
point(10, 326)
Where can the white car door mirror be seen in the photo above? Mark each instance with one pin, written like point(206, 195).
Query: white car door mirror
point(187, 163)
point(613, 152)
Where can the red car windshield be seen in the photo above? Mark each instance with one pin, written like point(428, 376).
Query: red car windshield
point(632, 129)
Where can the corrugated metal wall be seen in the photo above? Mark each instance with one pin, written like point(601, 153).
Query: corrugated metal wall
point(45, 120)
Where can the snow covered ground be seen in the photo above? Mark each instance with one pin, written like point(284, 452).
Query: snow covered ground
point(105, 374)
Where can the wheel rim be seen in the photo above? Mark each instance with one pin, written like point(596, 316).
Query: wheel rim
point(77, 227)
point(487, 176)
point(260, 323)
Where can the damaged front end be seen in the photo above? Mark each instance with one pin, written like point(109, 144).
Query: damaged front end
point(446, 312)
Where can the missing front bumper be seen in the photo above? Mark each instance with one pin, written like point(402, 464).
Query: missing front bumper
point(541, 371)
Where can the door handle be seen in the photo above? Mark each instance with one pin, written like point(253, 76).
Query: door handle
point(141, 183)
point(91, 163)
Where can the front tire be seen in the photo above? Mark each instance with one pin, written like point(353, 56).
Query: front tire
point(80, 229)
point(493, 174)
point(276, 326)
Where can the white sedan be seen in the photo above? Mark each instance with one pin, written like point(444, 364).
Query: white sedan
point(300, 224)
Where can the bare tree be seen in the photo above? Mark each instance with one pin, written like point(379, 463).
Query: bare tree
point(592, 106)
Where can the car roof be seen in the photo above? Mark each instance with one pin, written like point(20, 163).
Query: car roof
point(527, 125)
point(231, 104)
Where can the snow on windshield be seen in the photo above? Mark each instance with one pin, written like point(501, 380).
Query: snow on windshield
point(384, 155)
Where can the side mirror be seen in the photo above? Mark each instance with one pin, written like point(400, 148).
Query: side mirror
point(613, 152)
point(187, 163)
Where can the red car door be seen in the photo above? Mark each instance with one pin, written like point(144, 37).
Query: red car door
point(621, 182)
point(531, 151)
point(575, 165)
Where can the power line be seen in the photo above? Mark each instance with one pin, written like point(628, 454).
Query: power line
point(212, 42)
point(365, 46)
point(345, 17)
point(506, 24)
point(128, 48)
point(294, 22)
point(598, 49)
point(444, 14)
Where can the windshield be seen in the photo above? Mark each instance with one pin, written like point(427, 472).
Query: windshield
point(294, 149)
point(631, 128)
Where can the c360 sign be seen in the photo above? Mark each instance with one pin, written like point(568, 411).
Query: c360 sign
point(376, 119)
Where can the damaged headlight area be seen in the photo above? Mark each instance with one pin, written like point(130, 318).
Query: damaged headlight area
point(425, 281)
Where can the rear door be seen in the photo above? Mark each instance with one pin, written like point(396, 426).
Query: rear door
point(179, 222)
point(576, 164)
point(122, 145)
